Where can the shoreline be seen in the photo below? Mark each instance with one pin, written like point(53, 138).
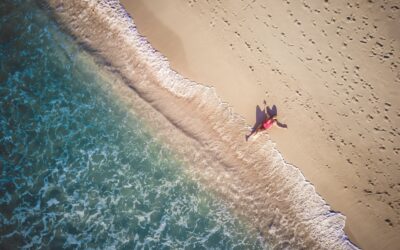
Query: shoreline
point(331, 156)
point(253, 178)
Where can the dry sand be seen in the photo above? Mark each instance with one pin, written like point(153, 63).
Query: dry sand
point(331, 68)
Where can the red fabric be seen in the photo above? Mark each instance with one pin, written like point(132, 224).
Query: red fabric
point(268, 123)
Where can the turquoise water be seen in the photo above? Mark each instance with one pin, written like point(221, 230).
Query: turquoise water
point(80, 171)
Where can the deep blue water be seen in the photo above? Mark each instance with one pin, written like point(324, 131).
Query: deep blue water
point(80, 171)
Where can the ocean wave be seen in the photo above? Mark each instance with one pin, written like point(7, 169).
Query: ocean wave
point(272, 195)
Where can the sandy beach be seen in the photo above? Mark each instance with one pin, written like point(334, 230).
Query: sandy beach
point(331, 69)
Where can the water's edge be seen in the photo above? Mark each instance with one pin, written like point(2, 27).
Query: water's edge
point(79, 168)
point(273, 195)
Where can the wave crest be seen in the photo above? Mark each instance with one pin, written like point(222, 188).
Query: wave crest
point(253, 177)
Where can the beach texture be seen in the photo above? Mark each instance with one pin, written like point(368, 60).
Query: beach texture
point(332, 70)
point(79, 168)
point(252, 179)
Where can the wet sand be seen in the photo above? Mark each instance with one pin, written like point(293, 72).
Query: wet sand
point(332, 70)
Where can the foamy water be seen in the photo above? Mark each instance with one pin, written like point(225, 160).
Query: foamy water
point(79, 170)
point(252, 178)
point(273, 195)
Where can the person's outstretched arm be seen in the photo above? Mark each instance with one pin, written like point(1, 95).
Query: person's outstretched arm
point(281, 125)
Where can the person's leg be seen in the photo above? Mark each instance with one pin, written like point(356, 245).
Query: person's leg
point(251, 133)
point(255, 131)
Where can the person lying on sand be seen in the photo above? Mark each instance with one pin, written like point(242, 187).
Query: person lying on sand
point(266, 124)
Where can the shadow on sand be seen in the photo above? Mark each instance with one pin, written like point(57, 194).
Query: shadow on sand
point(263, 114)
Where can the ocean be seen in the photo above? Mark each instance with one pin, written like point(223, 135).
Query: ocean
point(78, 167)
point(103, 145)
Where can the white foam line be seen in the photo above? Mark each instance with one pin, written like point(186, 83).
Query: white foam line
point(286, 208)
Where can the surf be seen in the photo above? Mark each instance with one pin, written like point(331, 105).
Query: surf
point(272, 195)
point(79, 167)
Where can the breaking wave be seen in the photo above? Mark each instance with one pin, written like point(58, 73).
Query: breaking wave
point(272, 195)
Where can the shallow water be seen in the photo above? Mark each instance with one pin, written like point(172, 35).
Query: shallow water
point(78, 169)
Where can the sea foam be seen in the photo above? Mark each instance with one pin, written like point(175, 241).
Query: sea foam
point(272, 195)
